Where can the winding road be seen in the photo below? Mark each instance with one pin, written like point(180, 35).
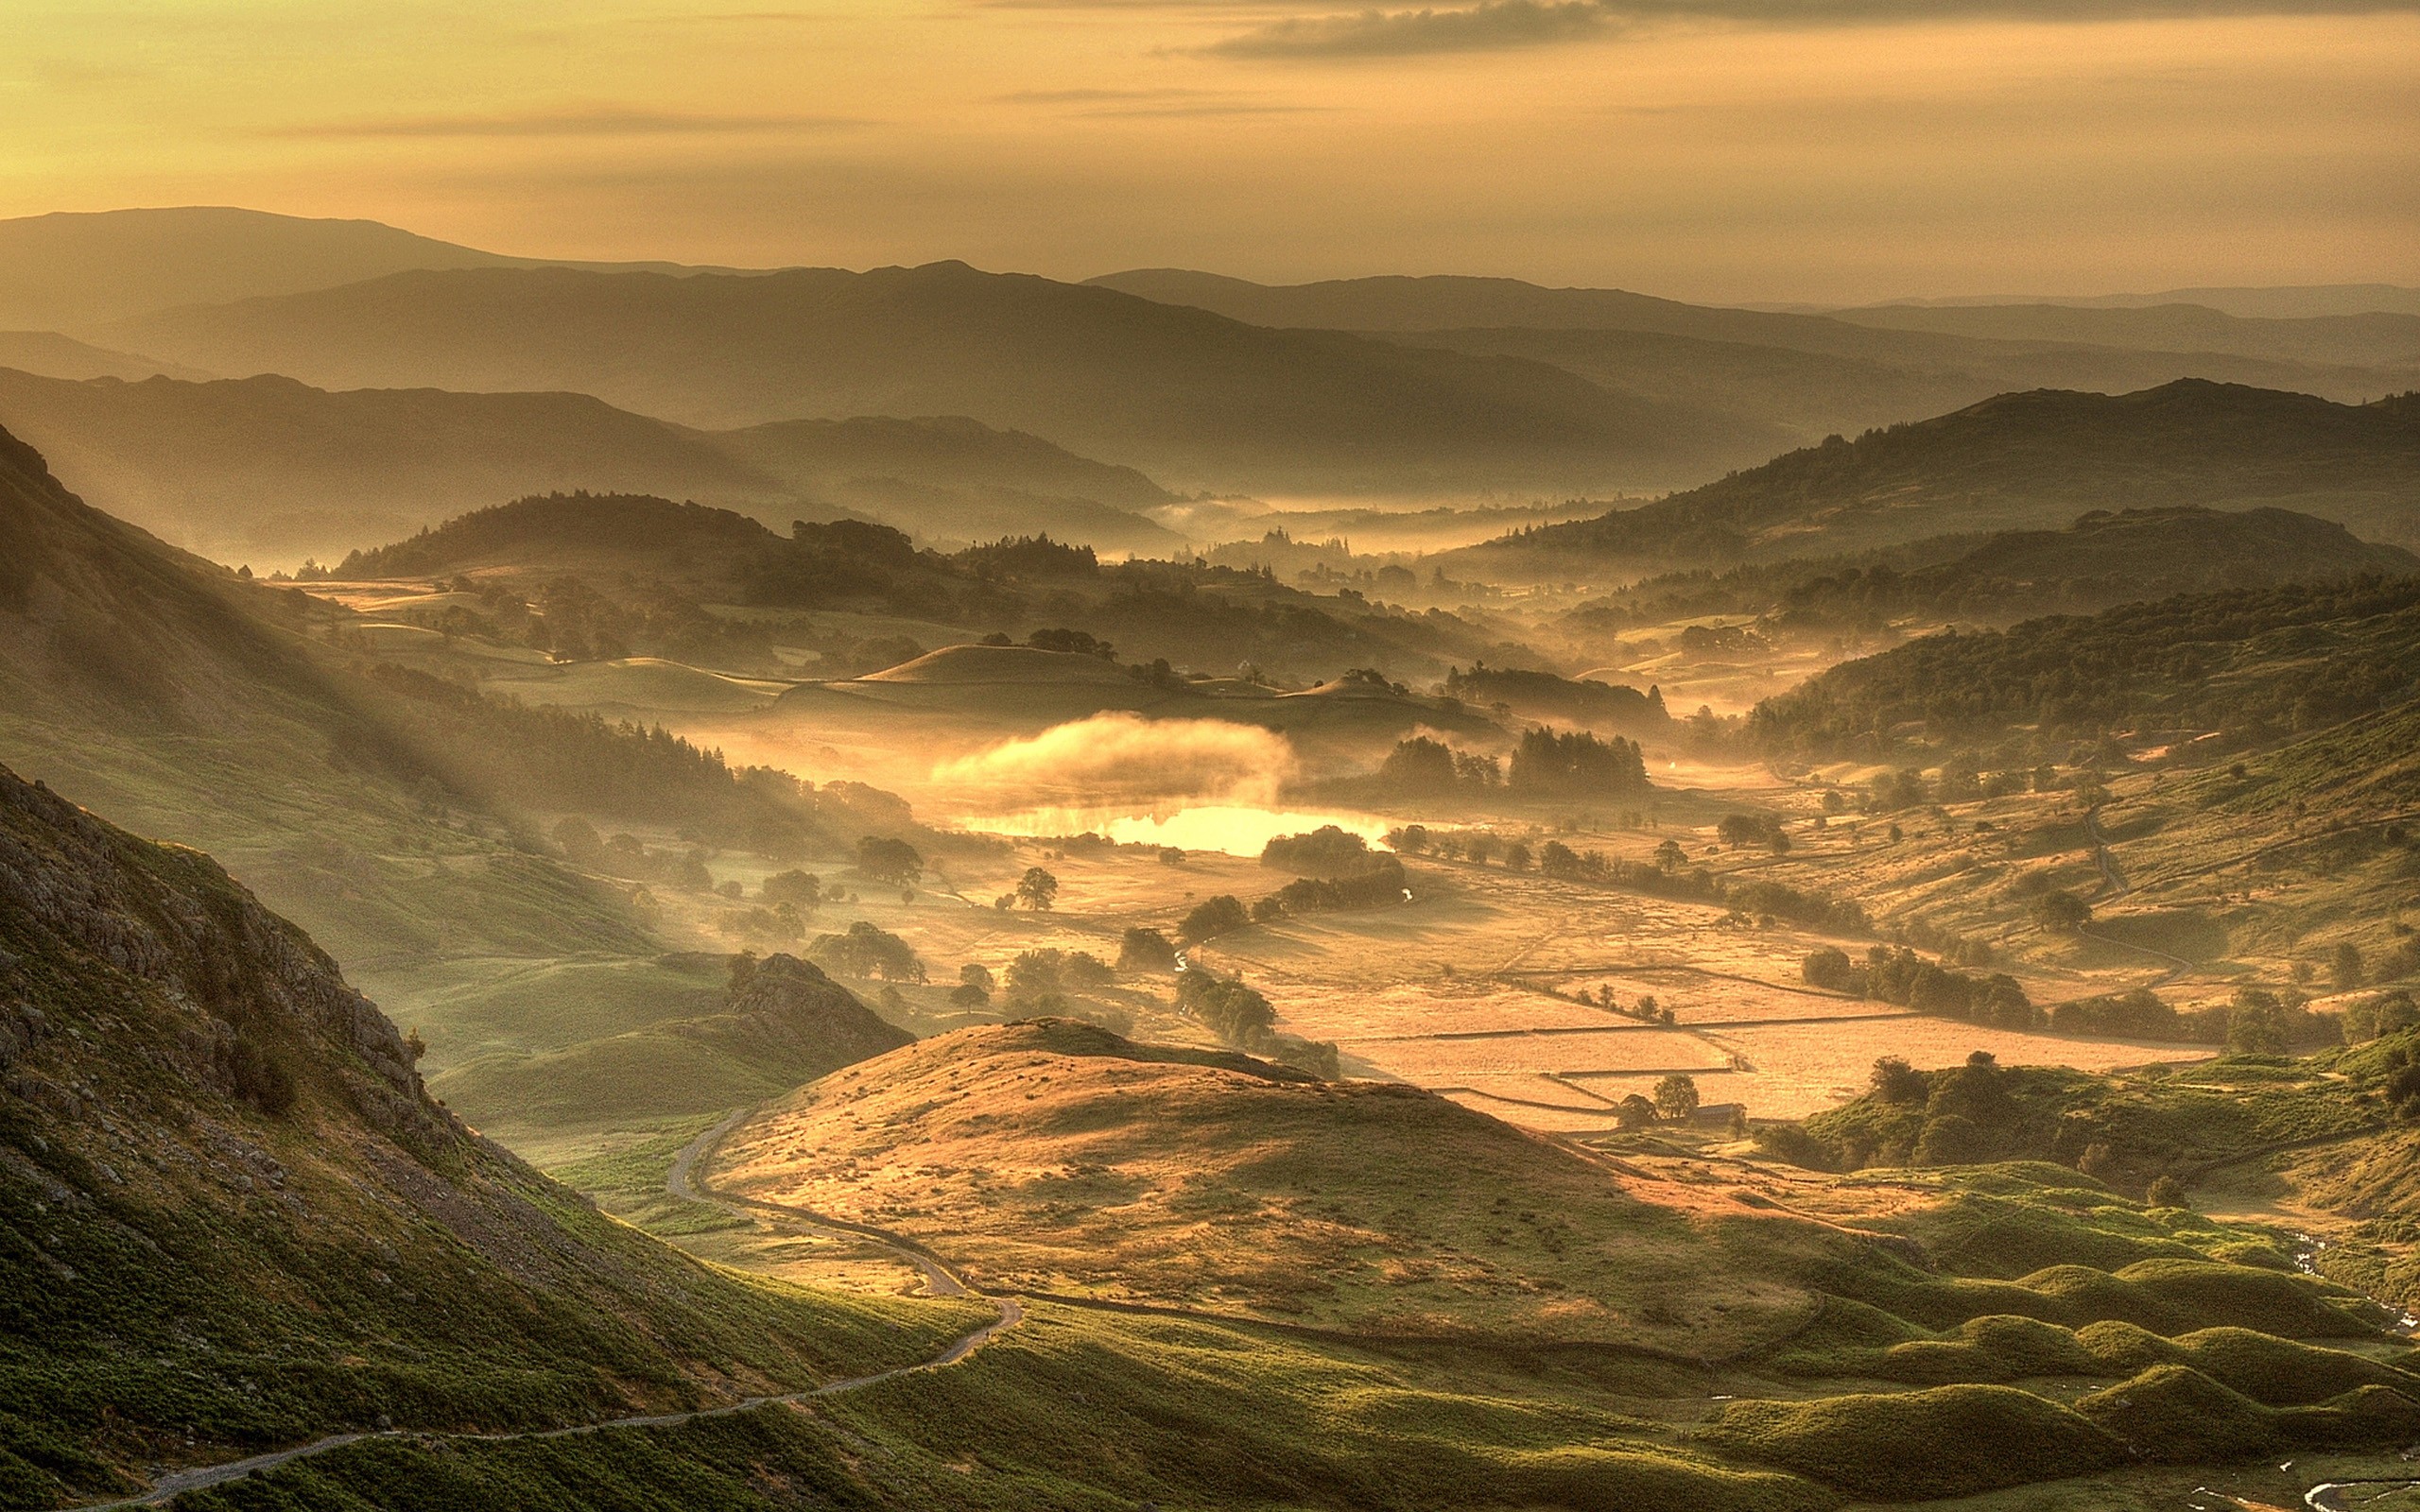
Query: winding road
point(683, 1183)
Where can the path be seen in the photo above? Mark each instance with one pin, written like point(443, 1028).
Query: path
point(683, 1183)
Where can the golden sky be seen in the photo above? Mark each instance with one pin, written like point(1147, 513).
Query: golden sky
point(1711, 149)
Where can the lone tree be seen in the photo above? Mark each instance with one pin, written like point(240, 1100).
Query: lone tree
point(888, 860)
point(1676, 1098)
point(800, 889)
point(1670, 856)
point(1145, 950)
point(2061, 912)
point(1037, 889)
point(974, 986)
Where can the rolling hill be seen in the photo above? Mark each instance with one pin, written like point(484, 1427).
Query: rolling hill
point(271, 469)
point(2101, 559)
point(1190, 397)
point(2246, 667)
point(2024, 462)
point(783, 1023)
point(232, 1218)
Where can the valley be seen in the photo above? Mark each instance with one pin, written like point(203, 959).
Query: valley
point(665, 887)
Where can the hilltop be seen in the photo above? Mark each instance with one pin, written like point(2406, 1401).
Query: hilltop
point(232, 1217)
point(1188, 396)
point(2024, 462)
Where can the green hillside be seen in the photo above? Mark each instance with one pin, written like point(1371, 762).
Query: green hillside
point(231, 1217)
point(2103, 558)
point(2248, 666)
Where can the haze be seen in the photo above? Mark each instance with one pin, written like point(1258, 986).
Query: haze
point(1726, 151)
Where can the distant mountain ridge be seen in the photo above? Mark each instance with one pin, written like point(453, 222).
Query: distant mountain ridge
point(1195, 398)
point(2026, 460)
point(271, 469)
point(71, 271)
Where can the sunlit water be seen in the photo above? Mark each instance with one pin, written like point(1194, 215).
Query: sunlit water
point(1235, 829)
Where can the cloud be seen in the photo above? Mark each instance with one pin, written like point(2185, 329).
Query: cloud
point(1497, 25)
point(593, 121)
point(1123, 758)
point(1133, 104)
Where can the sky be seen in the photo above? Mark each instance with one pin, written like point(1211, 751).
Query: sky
point(1726, 150)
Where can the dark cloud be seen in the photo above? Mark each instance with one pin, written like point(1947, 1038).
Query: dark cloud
point(1502, 24)
point(603, 121)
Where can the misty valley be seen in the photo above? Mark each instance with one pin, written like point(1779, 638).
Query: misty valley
point(661, 887)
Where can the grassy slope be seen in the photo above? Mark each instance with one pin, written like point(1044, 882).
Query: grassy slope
point(228, 1216)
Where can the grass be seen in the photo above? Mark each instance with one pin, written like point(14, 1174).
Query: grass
point(1918, 1445)
point(1061, 1158)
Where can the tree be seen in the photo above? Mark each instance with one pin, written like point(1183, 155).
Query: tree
point(1037, 889)
point(1141, 950)
point(2061, 912)
point(2374, 1017)
point(1831, 969)
point(800, 889)
point(1670, 857)
point(866, 951)
point(1676, 1098)
point(1635, 1113)
point(976, 977)
point(2258, 1023)
point(2167, 1191)
point(888, 860)
point(2347, 966)
point(1218, 915)
point(1517, 856)
point(1895, 1081)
